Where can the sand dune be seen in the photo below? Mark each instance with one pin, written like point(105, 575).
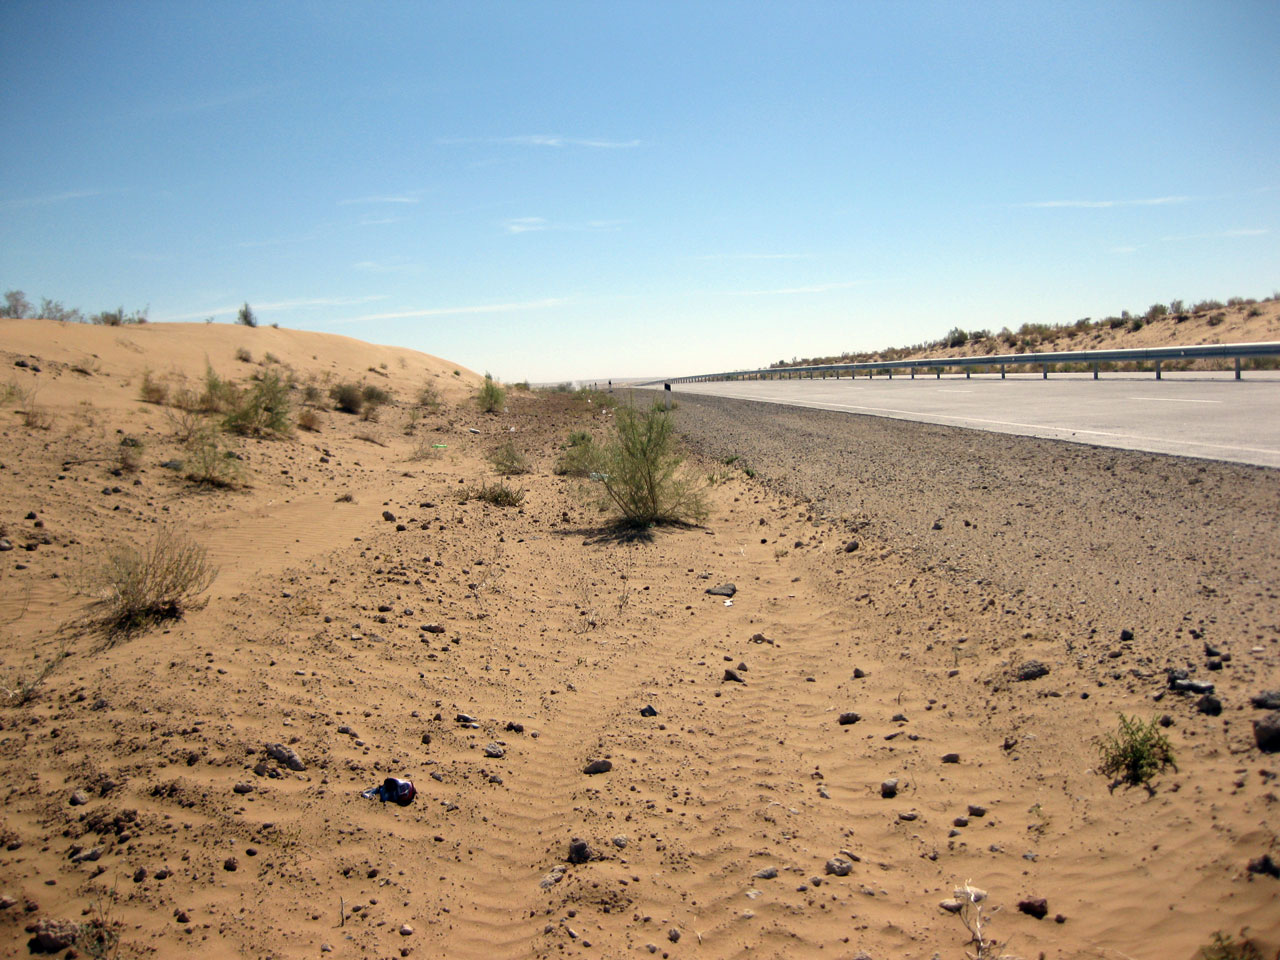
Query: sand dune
point(139, 779)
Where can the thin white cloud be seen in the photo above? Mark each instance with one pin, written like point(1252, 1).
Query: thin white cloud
point(49, 198)
point(458, 311)
point(157, 111)
point(786, 291)
point(1124, 251)
point(754, 256)
point(301, 303)
point(535, 224)
point(384, 198)
point(386, 266)
point(1104, 204)
point(1182, 238)
point(544, 140)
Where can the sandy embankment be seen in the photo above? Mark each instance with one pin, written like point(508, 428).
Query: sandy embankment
point(313, 638)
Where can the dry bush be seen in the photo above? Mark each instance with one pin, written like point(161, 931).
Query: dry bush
point(219, 395)
point(424, 449)
point(153, 390)
point(186, 423)
point(497, 494)
point(429, 397)
point(509, 460)
point(243, 355)
point(135, 588)
point(129, 454)
point(309, 419)
point(491, 397)
point(208, 463)
point(640, 471)
point(579, 457)
point(34, 415)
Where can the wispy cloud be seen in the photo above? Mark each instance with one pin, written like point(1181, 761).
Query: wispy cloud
point(459, 311)
point(1125, 249)
point(49, 198)
point(786, 291)
point(544, 140)
point(754, 256)
point(386, 266)
point(156, 111)
point(301, 303)
point(410, 197)
point(1105, 204)
point(535, 224)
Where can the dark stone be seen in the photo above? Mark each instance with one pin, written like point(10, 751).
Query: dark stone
point(851, 546)
point(648, 711)
point(951, 758)
point(1267, 732)
point(889, 788)
point(1264, 864)
point(1031, 670)
point(731, 676)
point(1126, 635)
point(1209, 705)
point(231, 864)
point(598, 766)
point(1036, 907)
point(724, 590)
point(388, 516)
point(1211, 651)
point(1267, 700)
point(579, 851)
point(1214, 664)
point(848, 718)
point(858, 673)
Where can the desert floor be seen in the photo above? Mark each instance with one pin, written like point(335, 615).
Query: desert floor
point(900, 572)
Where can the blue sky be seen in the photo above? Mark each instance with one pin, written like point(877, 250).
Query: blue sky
point(554, 190)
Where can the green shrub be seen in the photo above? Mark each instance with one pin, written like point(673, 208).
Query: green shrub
point(243, 355)
point(246, 317)
point(639, 469)
point(1226, 947)
point(580, 456)
point(491, 396)
point(209, 463)
point(428, 397)
point(1135, 753)
point(263, 409)
point(509, 460)
point(498, 494)
point(1216, 319)
point(218, 394)
point(136, 587)
point(374, 394)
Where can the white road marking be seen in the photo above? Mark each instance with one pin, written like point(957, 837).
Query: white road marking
point(1173, 400)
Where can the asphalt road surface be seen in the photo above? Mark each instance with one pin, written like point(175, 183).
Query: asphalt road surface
point(1212, 416)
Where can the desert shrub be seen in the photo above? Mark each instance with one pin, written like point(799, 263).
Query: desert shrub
point(136, 587)
point(522, 385)
point(129, 454)
point(428, 396)
point(1224, 946)
point(1216, 319)
point(16, 305)
point(1156, 311)
point(579, 457)
point(312, 394)
point(491, 396)
point(209, 463)
point(117, 317)
point(1136, 752)
point(424, 449)
point(34, 415)
point(1254, 312)
point(270, 357)
point(23, 687)
point(374, 394)
point(509, 460)
point(152, 390)
point(308, 419)
point(347, 397)
point(498, 494)
point(1204, 306)
point(1176, 307)
point(55, 310)
point(956, 337)
point(246, 317)
point(639, 469)
point(263, 409)
point(218, 394)
point(243, 355)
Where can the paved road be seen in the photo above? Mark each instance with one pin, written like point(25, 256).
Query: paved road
point(1191, 415)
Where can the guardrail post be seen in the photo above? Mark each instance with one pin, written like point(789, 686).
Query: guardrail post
point(1158, 362)
point(1002, 371)
point(891, 373)
point(1237, 368)
point(966, 373)
point(1095, 369)
point(913, 373)
point(937, 373)
point(1044, 371)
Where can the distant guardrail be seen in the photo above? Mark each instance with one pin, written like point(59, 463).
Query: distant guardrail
point(1095, 358)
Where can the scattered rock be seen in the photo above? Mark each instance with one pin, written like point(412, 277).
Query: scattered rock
point(673, 935)
point(976, 810)
point(889, 788)
point(433, 628)
point(406, 930)
point(78, 798)
point(1267, 732)
point(839, 867)
point(858, 673)
point(851, 546)
point(553, 877)
point(243, 788)
point(732, 676)
point(494, 752)
point(908, 816)
point(580, 851)
point(598, 766)
point(1264, 864)
point(1031, 670)
point(1209, 705)
point(1126, 635)
point(1034, 907)
point(54, 935)
point(1267, 700)
point(951, 758)
point(620, 841)
point(388, 516)
point(231, 864)
point(951, 906)
point(286, 755)
point(724, 590)
point(768, 873)
point(848, 718)
point(648, 711)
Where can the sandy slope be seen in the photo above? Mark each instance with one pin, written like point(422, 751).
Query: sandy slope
point(553, 638)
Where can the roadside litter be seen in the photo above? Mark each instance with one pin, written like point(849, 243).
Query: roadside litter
point(393, 789)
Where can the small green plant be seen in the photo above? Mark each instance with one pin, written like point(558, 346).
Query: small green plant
point(34, 415)
point(491, 396)
point(351, 397)
point(1136, 753)
point(218, 394)
point(579, 457)
point(640, 471)
point(263, 409)
point(428, 397)
point(497, 494)
point(246, 318)
point(374, 394)
point(137, 587)
point(509, 460)
point(1215, 319)
point(25, 687)
point(152, 390)
point(210, 464)
point(1226, 947)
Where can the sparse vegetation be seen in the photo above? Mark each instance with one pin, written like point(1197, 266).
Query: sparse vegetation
point(152, 390)
point(491, 397)
point(137, 587)
point(129, 454)
point(429, 397)
point(498, 494)
point(25, 686)
point(639, 469)
point(509, 460)
point(579, 457)
point(218, 394)
point(34, 415)
point(243, 355)
point(246, 318)
point(1224, 946)
point(208, 463)
point(309, 420)
point(263, 409)
point(424, 449)
point(118, 318)
point(1136, 753)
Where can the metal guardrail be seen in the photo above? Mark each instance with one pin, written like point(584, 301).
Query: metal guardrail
point(1095, 358)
